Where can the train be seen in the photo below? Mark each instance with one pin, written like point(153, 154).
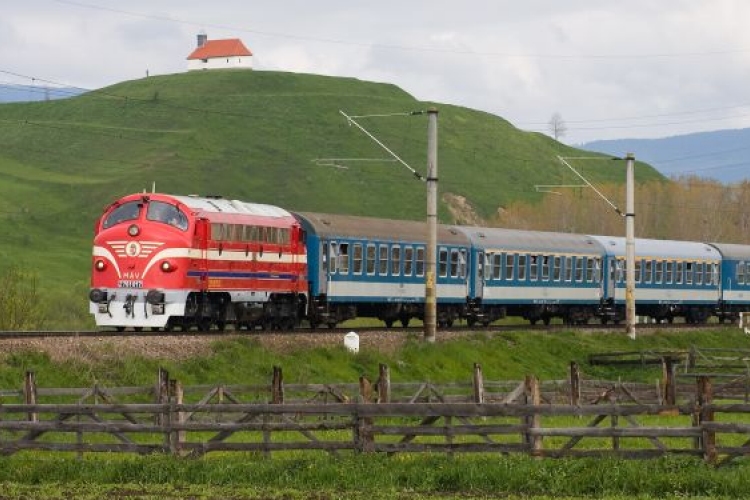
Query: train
point(168, 262)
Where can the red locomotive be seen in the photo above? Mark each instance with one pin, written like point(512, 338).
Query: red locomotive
point(163, 261)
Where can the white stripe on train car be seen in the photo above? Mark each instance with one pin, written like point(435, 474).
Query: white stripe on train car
point(390, 290)
point(106, 254)
point(540, 293)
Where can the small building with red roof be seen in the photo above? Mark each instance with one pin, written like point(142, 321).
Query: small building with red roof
point(216, 54)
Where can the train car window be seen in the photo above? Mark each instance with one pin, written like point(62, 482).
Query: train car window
point(454, 263)
point(462, 263)
point(668, 272)
point(741, 273)
point(678, 273)
point(395, 260)
point(659, 271)
point(556, 269)
point(638, 270)
point(568, 269)
point(689, 269)
point(533, 267)
point(612, 271)
point(357, 258)
point(509, 263)
point(521, 268)
point(620, 267)
point(343, 258)
point(217, 231)
point(125, 212)
point(497, 266)
point(420, 261)
point(284, 236)
point(383, 267)
point(648, 271)
point(579, 269)
point(324, 258)
point(590, 270)
point(699, 273)
point(443, 263)
point(408, 261)
point(333, 257)
point(545, 267)
point(371, 251)
point(484, 266)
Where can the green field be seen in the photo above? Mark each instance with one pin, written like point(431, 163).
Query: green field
point(247, 135)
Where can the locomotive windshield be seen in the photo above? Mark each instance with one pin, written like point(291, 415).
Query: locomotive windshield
point(168, 214)
point(125, 212)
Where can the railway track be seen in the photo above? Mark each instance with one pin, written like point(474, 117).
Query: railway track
point(414, 330)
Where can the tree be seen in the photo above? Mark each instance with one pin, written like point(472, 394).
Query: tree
point(557, 126)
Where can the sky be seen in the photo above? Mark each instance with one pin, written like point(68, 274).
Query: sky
point(611, 69)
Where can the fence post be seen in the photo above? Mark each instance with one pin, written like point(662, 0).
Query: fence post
point(177, 438)
point(277, 386)
point(670, 393)
point(162, 397)
point(533, 399)
point(708, 437)
point(575, 384)
point(363, 438)
point(478, 384)
point(29, 394)
point(384, 384)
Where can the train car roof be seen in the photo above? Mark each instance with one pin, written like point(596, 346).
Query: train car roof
point(670, 249)
point(357, 227)
point(733, 251)
point(515, 239)
point(221, 205)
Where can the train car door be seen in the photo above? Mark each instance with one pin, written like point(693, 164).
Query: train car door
point(478, 279)
point(202, 229)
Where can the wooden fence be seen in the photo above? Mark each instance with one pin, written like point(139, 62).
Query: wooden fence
point(522, 417)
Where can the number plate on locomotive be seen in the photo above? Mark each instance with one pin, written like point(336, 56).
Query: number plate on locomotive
point(130, 284)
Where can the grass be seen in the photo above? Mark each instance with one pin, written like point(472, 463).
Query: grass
point(244, 360)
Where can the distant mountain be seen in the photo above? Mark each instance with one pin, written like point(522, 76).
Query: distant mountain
point(29, 93)
point(723, 155)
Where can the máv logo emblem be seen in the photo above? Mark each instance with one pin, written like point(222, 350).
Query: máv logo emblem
point(133, 249)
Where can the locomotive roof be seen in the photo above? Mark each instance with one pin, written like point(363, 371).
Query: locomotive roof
point(670, 249)
point(514, 239)
point(733, 251)
point(222, 205)
point(348, 226)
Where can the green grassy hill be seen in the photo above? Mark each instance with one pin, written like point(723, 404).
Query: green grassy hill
point(252, 136)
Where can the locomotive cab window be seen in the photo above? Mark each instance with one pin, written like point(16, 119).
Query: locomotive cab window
point(125, 212)
point(167, 213)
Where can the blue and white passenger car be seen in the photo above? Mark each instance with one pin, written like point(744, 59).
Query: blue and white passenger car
point(532, 274)
point(735, 280)
point(672, 279)
point(371, 267)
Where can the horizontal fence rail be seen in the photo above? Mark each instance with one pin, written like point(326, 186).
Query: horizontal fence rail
point(571, 418)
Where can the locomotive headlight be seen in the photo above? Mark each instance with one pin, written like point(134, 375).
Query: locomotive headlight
point(167, 266)
point(96, 295)
point(100, 265)
point(134, 230)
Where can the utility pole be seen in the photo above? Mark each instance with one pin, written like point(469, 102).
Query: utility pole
point(630, 246)
point(430, 293)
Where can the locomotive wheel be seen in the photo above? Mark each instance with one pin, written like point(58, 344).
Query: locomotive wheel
point(388, 323)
